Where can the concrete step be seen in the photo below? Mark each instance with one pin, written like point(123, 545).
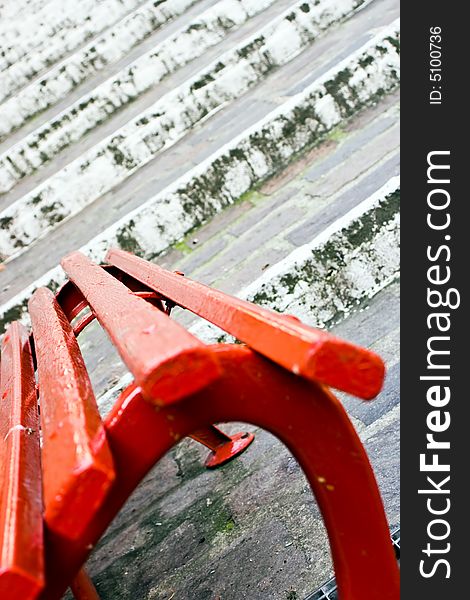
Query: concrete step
point(209, 28)
point(38, 39)
point(13, 11)
point(114, 159)
point(371, 72)
point(367, 146)
point(327, 50)
point(134, 78)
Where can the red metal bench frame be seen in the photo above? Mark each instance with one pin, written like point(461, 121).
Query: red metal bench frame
point(278, 381)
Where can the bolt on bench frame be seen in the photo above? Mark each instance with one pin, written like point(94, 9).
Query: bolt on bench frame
point(278, 381)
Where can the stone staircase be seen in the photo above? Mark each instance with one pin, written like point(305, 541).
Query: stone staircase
point(253, 145)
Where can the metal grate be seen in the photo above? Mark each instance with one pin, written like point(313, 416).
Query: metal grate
point(396, 541)
point(329, 590)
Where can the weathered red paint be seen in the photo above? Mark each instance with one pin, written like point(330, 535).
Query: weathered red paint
point(76, 461)
point(83, 322)
point(305, 351)
point(90, 316)
point(82, 587)
point(223, 447)
point(221, 455)
point(21, 531)
point(165, 359)
point(82, 496)
point(72, 302)
point(305, 416)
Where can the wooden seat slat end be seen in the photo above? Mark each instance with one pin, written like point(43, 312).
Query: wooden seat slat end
point(77, 464)
point(17, 585)
point(180, 376)
point(346, 367)
point(21, 525)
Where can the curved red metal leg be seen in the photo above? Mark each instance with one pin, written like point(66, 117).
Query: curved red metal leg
point(306, 417)
point(82, 587)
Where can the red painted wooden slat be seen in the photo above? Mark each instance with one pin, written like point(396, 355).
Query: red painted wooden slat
point(77, 463)
point(21, 532)
point(168, 363)
point(309, 352)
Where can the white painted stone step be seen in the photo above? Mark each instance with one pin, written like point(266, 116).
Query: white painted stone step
point(43, 37)
point(370, 71)
point(124, 87)
point(112, 47)
point(238, 243)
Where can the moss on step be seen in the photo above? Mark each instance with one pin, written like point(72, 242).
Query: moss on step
point(196, 27)
point(251, 47)
point(253, 196)
point(203, 81)
point(5, 222)
point(127, 241)
point(182, 247)
point(52, 214)
point(336, 135)
point(328, 263)
point(13, 314)
point(337, 87)
point(365, 61)
point(395, 41)
point(120, 158)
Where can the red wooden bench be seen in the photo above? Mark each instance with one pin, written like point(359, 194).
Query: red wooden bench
point(65, 474)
